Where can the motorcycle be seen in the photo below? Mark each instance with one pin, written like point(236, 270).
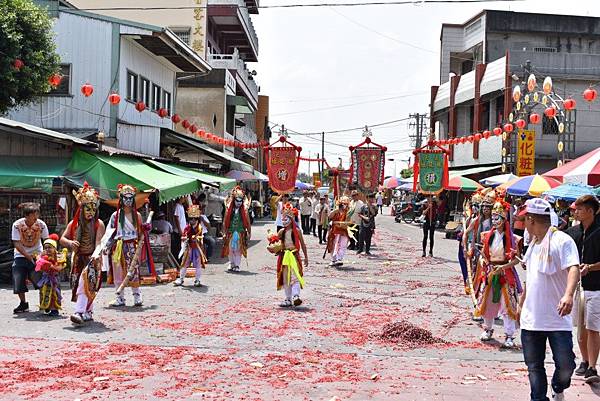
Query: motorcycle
point(406, 212)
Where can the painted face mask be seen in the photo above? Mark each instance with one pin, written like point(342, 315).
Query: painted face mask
point(128, 200)
point(486, 210)
point(497, 220)
point(89, 210)
point(286, 220)
point(475, 208)
point(238, 202)
point(194, 222)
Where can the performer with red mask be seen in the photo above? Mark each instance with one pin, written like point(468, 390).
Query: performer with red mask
point(236, 229)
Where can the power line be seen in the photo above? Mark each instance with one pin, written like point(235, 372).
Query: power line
point(345, 129)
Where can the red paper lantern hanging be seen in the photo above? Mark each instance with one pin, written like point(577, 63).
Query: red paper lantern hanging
point(140, 106)
point(550, 112)
point(590, 94)
point(18, 64)
point(87, 90)
point(486, 134)
point(470, 138)
point(463, 139)
point(54, 80)
point(477, 137)
point(175, 118)
point(520, 123)
point(534, 118)
point(162, 113)
point(185, 124)
point(497, 131)
point(202, 134)
point(193, 128)
point(114, 98)
point(508, 127)
point(569, 104)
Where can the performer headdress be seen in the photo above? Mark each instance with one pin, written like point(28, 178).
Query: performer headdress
point(194, 212)
point(489, 197)
point(126, 189)
point(343, 200)
point(52, 240)
point(86, 194)
point(289, 210)
point(501, 208)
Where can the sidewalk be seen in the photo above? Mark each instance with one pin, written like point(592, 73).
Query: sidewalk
point(230, 341)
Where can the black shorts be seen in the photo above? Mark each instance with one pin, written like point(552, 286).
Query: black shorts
point(21, 270)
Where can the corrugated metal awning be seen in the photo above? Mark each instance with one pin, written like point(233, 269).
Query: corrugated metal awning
point(494, 77)
point(442, 98)
point(43, 133)
point(466, 88)
point(473, 170)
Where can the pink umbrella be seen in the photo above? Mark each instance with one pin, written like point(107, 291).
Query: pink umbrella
point(240, 175)
point(583, 170)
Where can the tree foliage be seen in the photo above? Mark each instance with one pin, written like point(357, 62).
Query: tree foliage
point(26, 35)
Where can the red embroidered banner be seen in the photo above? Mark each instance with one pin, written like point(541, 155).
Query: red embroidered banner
point(367, 167)
point(282, 168)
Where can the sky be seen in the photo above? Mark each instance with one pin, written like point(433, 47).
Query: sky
point(335, 68)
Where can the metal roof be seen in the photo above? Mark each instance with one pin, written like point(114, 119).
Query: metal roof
point(43, 133)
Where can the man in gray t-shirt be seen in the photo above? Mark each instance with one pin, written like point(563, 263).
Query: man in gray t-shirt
point(27, 236)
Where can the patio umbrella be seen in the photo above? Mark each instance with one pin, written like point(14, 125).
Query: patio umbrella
point(584, 170)
point(569, 191)
point(241, 175)
point(531, 185)
point(496, 180)
point(460, 183)
point(303, 185)
point(393, 182)
point(406, 187)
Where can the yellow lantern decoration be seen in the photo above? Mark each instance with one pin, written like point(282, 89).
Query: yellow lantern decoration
point(519, 106)
point(503, 152)
point(504, 136)
point(547, 86)
point(527, 98)
point(545, 100)
point(561, 128)
point(561, 146)
point(511, 117)
point(536, 97)
point(504, 168)
point(517, 93)
point(531, 82)
point(560, 163)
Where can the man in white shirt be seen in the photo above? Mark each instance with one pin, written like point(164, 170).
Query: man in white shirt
point(281, 199)
point(209, 241)
point(179, 223)
point(354, 216)
point(314, 215)
point(552, 262)
point(306, 206)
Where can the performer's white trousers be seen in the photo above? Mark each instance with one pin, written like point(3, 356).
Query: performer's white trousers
point(340, 244)
point(235, 257)
point(183, 270)
point(81, 305)
point(134, 290)
point(491, 311)
point(292, 288)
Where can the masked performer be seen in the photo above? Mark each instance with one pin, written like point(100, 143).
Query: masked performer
point(81, 237)
point(340, 232)
point(192, 247)
point(236, 226)
point(49, 264)
point(499, 283)
point(290, 274)
point(127, 223)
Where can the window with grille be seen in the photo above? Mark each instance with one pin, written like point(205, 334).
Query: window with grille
point(167, 101)
point(132, 86)
point(156, 97)
point(549, 126)
point(183, 33)
point(544, 49)
point(64, 88)
point(145, 91)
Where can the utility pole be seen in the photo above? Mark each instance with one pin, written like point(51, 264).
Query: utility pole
point(309, 163)
point(419, 129)
point(319, 168)
point(322, 155)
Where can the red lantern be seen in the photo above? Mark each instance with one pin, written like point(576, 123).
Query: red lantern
point(590, 94)
point(185, 124)
point(569, 104)
point(486, 134)
point(193, 128)
point(87, 90)
point(140, 106)
point(18, 64)
point(54, 80)
point(114, 98)
point(463, 139)
point(470, 138)
point(162, 113)
point(508, 127)
point(534, 118)
point(520, 123)
point(282, 138)
point(175, 118)
point(550, 112)
point(477, 137)
point(497, 131)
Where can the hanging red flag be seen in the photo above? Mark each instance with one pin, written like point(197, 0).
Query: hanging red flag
point(367, 165)
point(282, 166)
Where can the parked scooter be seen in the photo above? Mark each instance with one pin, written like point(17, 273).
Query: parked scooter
point(406, 212)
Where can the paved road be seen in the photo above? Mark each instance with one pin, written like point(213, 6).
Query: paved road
point(394, 326)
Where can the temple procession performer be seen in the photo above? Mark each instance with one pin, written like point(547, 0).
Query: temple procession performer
point(237, 231)
point(290, 272)
point(340, 232)
point(499, 284)
point(82, 235)
point(470, 252)
point(127, 222)
point(49, 263)
point(192, 247)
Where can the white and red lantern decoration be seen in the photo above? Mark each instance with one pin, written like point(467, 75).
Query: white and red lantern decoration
point(140, 106)
point(114, 98)
point(516, 93)
point(87, 90)
point(547, 85)
point(531, 83)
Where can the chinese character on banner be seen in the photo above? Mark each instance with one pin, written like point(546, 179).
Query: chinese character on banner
point(430, 171)
point(282, 167)
point(526, 153)
point(367, 163)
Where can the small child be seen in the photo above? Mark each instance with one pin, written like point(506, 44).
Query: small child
point(290, 274)
point(50, 262)
point(192, 247)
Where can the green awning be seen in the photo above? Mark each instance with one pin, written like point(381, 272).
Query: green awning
point(241, 104)
point(223, 183)
point(105, 172)
point(31, 172)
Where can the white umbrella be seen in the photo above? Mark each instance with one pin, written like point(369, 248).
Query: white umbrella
point(496, 180)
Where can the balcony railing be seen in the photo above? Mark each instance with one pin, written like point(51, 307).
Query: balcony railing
point(244, 17)
point(234, 62)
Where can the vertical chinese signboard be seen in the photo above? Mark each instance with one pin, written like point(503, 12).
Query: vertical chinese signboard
point(197, 37)
point(526, 153)
point(431, 170)
point(282, 168)
point(367, 165)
